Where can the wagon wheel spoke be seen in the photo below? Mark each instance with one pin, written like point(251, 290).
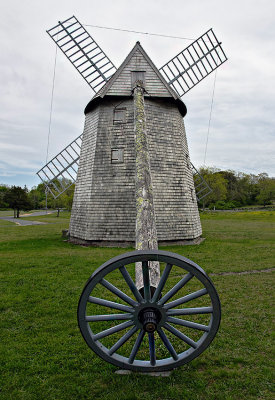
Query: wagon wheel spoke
point(152, 348)
point(110, 304)
point(162, 282)
point(181, 335)
point(146, 280)
point(136, 346)
point(190, 311)
point(186, 298)
point(118, 292)
point(122, 340)
point(108, 317)
point(176, 288)
point(168, 344)
point(130, 283)
point(188, 324)
point(114, 329)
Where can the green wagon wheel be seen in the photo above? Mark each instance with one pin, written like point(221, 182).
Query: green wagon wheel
point(148, 318)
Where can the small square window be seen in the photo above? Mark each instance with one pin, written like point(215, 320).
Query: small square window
point(117, 156)
point(119, 116)
point(138, 76)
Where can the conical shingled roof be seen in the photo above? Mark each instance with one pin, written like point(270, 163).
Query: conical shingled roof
point(120, 84)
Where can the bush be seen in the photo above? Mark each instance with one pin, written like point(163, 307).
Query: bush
point(224, 205)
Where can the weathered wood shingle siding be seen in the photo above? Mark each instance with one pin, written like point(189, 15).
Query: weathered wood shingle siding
point(104, 206)
point(176, 212)
point(109, 206)
point(122, 85)
point(83, 189)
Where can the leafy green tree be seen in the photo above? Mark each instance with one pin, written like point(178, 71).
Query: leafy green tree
point(17, 198)
point(234, 189)
point(217, 183)
point(266, 187)
point(68, 200)
point(3, 190)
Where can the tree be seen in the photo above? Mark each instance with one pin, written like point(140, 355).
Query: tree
point(17, 198)
point(3, 190)
point(266, 187)
point(217, 183)
point(68, 201)
point(37, 196)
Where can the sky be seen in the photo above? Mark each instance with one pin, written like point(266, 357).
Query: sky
point(241, 134)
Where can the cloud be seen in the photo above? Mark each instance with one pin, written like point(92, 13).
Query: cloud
point(242, 127)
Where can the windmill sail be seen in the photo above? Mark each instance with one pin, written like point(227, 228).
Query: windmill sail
point(60, 173)
point(194, 63)
point(202, 188)
point(83, 52)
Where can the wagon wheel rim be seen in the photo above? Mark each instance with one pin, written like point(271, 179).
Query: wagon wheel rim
point(132, 313)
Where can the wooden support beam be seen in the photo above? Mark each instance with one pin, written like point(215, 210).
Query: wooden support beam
point(146, 233)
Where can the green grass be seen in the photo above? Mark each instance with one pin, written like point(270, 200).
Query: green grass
point(9, 213)
point(44, 355)
point(6, 213)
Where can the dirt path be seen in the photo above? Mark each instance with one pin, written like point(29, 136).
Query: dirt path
point(21, 222)
point(253, 271)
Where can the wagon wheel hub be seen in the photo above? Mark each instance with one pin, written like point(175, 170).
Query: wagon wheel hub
point(149, 317)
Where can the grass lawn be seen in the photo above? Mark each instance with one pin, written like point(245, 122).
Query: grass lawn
point(43, 355)
point(6, 213)
point(9, 213)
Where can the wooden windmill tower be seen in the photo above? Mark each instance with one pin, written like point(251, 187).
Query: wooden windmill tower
point(104, 206)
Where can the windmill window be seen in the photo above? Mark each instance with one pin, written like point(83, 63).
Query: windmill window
point(119, 116)
point(138, 76)
point(117, 156)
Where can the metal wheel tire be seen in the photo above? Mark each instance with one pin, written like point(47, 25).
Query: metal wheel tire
point(135, 308)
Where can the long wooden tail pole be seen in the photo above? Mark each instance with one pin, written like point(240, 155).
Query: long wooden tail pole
point(146, 233)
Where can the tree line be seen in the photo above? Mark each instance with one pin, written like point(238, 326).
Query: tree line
point(230, 190)
point(19, 198)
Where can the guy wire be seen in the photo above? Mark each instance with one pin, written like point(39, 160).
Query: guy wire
point(51, 106)
point(210, 115)
point(139, 32)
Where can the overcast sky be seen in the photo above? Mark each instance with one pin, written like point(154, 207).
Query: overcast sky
point(241, 136)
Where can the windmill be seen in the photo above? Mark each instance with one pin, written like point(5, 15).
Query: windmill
point(106, 176)
point(135, 183)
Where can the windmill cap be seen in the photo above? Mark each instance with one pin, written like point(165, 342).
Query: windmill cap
point(121, 87)
point(97, 100)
